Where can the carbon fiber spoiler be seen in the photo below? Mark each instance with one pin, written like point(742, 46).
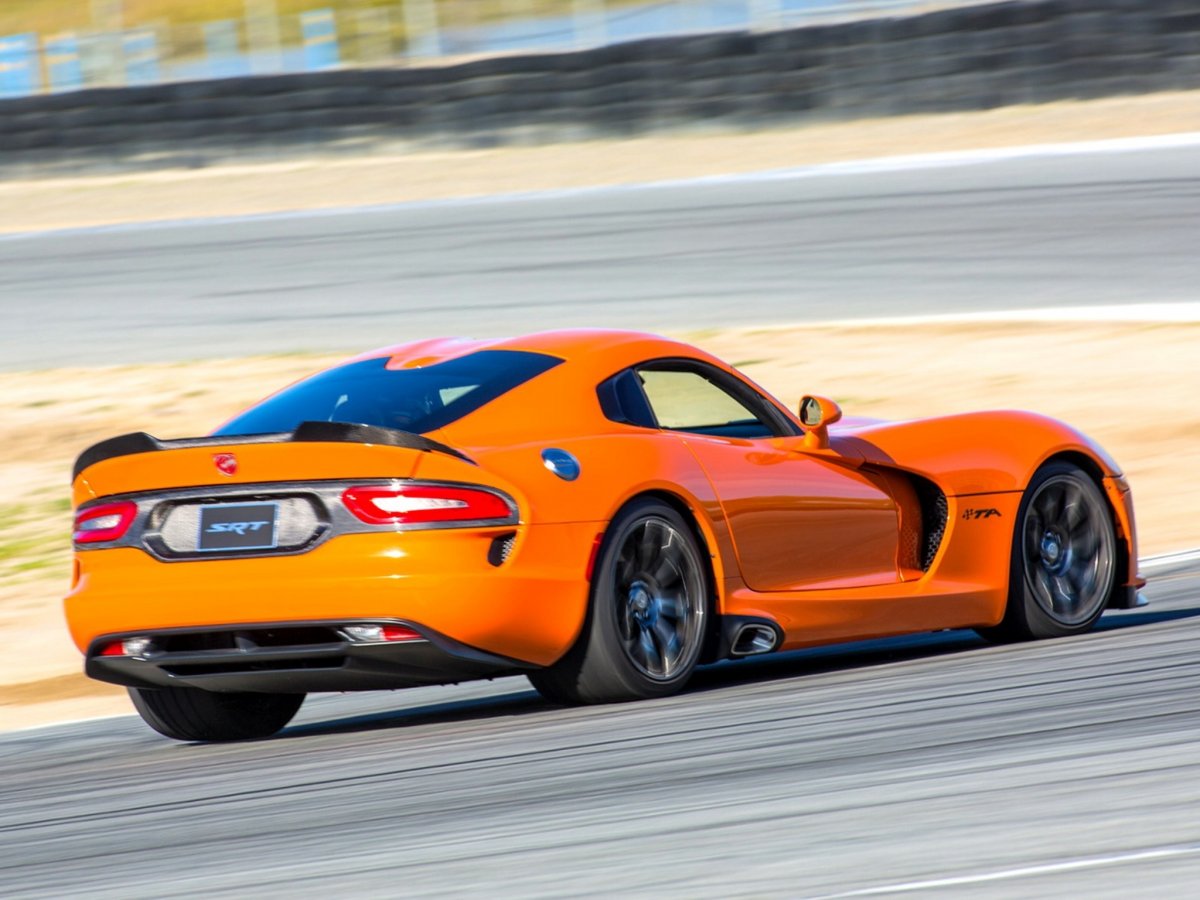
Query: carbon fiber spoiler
point(305, 433)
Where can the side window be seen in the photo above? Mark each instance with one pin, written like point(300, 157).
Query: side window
point(685, 400)
point(622, 400)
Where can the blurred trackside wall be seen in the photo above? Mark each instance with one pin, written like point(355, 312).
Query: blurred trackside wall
point(957, 59)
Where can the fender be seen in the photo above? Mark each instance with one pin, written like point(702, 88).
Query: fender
point(974, 453)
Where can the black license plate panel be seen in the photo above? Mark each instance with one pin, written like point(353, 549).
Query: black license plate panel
point(238, 526)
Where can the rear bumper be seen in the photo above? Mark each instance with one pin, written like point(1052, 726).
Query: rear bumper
point(263, 658)
point(529, 608)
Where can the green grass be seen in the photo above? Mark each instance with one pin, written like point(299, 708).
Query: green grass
point(32, 554)
point(44, 560)
point(19, 549)
point(35, 537)
point(12, 513)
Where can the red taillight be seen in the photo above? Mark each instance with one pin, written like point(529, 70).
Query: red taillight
point(398, 633)
point(105, 522)
point(130, 646)
point(374, 634)
point(418, 504)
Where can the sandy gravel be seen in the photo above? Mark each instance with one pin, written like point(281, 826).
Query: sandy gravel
point(1131, 386)
point(382, 179)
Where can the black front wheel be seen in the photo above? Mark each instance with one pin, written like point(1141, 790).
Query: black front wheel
point(648, 614)
point(189, 714)
point(1063, 557)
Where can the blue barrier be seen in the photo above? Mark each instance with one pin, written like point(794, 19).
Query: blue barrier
point(141, 57)
point(320, 39)
point(63, 66)
point(222, 47)
point(20, 73)
point(133, 58)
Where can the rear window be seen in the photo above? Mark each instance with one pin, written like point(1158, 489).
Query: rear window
point(415, 400)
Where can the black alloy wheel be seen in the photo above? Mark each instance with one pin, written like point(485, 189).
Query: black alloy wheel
point(1063, 560)
point(648, 616)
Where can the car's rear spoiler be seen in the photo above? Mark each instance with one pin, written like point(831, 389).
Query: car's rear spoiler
point(306, 432)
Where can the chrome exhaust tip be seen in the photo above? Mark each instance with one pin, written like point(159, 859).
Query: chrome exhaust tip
point(754, 639)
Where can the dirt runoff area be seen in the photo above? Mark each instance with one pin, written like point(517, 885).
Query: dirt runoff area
point(381, 179)
point(1130, 385)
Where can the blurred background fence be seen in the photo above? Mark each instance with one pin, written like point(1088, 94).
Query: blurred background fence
point(57, 47)
point(964, 57)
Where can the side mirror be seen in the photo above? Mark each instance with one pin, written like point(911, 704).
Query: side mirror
point(817, 414)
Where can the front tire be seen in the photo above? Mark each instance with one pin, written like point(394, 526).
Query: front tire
point(189, 714)
point(1063, 558)
point(648, 614)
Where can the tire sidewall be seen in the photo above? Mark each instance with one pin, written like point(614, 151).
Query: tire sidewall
point(1032, 619)
point(604, 606)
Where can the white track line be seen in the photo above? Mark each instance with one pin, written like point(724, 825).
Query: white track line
point(973, 157)
point(1166, 560)
point(1183, 312)
point(1094, 862)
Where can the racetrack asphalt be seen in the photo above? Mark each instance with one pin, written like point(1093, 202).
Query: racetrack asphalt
point(935, 765)
point(1012, 233)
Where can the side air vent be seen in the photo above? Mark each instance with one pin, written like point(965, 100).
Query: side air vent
point(934, 511)
point(501, 548)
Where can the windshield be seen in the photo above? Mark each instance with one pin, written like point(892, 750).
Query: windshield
point(415, 400)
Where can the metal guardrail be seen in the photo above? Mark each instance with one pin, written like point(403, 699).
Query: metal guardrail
point(409, 31)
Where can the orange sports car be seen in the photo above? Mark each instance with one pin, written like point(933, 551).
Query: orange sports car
point(602, 511)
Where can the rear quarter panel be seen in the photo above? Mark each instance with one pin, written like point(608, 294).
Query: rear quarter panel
point(614, 468)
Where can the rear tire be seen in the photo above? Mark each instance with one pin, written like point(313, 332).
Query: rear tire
point(189, 714)
point(1063, 558)
point(648, 615)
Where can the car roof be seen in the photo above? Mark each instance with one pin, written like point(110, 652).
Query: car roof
point(589, 357)
point(590, 352)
